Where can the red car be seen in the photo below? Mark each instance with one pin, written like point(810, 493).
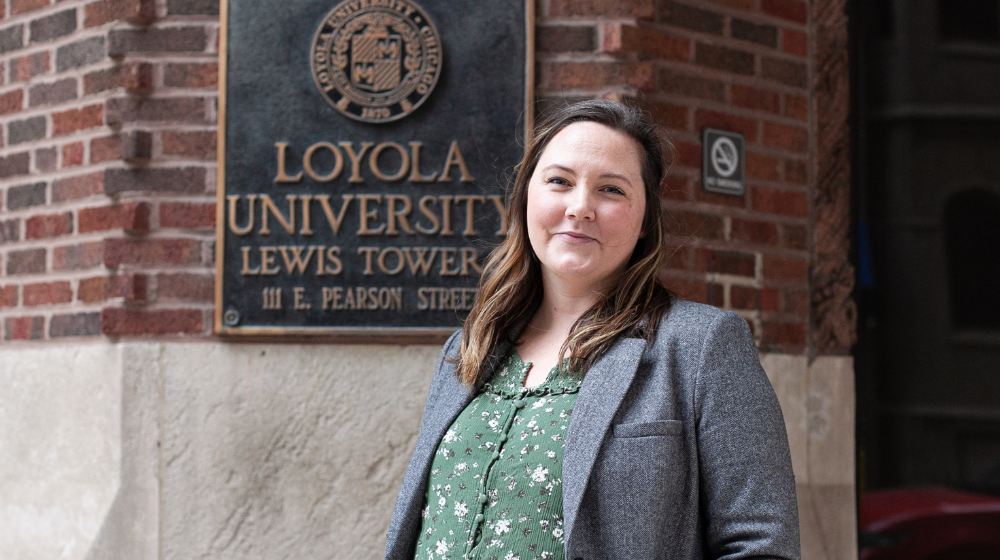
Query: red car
point(933, 523)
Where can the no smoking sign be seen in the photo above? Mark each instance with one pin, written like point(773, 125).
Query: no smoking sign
point(723, 165)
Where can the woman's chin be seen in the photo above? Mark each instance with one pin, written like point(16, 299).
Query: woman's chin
point(577, 273)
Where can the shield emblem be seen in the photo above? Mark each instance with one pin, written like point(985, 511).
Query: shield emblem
point(376, 63)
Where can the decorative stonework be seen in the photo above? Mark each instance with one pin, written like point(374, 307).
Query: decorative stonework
point(834, 312)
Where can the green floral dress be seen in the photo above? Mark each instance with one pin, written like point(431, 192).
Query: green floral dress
point(495, 486)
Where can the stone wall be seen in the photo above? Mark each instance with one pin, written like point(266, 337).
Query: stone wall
point(203, 450)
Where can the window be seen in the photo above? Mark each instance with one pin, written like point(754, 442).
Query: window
point(975, 21)
point(882, 19)
point(972, 231)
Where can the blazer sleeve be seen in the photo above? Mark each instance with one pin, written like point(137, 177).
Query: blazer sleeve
point(745, 468)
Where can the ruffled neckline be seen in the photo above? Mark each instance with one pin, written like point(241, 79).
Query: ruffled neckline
point(508, 380)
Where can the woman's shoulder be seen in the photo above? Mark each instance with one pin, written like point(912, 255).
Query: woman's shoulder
point(689, 324)
point(691, 316)
point(451, 346)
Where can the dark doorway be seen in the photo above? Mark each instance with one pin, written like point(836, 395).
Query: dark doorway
point(927, 206)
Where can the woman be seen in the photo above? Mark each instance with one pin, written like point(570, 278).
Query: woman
point(583, 412)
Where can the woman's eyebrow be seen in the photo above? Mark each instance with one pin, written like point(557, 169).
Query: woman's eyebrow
point(615, 176)
point(557, 166)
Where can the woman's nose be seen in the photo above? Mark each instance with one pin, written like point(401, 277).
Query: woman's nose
point(581, 204)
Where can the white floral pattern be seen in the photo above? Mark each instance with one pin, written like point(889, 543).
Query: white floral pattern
point(495, 486)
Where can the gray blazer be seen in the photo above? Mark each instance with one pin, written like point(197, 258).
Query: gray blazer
point(675, 449)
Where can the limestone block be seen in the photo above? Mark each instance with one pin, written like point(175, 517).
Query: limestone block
point(286, 451)
point(827, 521)
point(60, 448)
point(131, 529)
point(831, 421)
point(789, 375)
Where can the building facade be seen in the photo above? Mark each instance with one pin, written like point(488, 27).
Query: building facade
point(927, 81)
point(129, 430)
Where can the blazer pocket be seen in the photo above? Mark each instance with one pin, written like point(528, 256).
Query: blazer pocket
point(643, 429)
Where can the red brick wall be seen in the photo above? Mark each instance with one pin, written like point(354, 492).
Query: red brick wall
point(107, 111)
point(108, 114)
point(739, 65)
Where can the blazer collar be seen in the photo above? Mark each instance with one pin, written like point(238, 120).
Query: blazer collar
point(603, 389)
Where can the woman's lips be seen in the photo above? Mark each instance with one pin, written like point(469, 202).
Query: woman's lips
point(574, 237)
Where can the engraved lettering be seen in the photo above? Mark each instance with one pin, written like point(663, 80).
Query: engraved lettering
point(366, 214)
point(335, 267)
point(334, 221)
point(268, 255)
point(446, 299)
point(424, 204)
point(307, 162)
point(446, 215)
point(367, 252)
point(375, 113)
point(247, 271)
point(415, 175)
point(397, 254)
point(306, 215)
point(402, 215)
point(470, 259)
point(298, 295)
point(502, 210)
point(448, 266)
point(421, 262)
point(455, 158)
point(469, 212)
point(272, 298)
point(267, 207)
point(339, 298)
point(355, 159)
point(404, 164)
point(332, 297)
point(233, 199)
point(297, 263)
point(282, 176)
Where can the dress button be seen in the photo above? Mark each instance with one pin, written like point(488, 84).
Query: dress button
point(496, 454)
point(503, 438)
point(519, 403)
point(482, 498)
point(479, 519)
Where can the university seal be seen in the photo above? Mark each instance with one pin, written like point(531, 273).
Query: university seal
point(376, 61)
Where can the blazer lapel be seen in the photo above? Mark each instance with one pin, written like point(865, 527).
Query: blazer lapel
point(603, 389)
point(452, 398)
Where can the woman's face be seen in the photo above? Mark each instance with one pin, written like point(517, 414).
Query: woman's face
point(586, 203)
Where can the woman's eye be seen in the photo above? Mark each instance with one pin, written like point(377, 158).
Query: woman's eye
point(557, 181)
point(614, 190)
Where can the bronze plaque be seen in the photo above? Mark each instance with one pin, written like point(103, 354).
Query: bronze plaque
point(364, 146)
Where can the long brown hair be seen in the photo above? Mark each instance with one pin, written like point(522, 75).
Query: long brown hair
point(511, 283)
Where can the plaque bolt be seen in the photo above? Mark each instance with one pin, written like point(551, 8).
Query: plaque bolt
point(231, 317)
